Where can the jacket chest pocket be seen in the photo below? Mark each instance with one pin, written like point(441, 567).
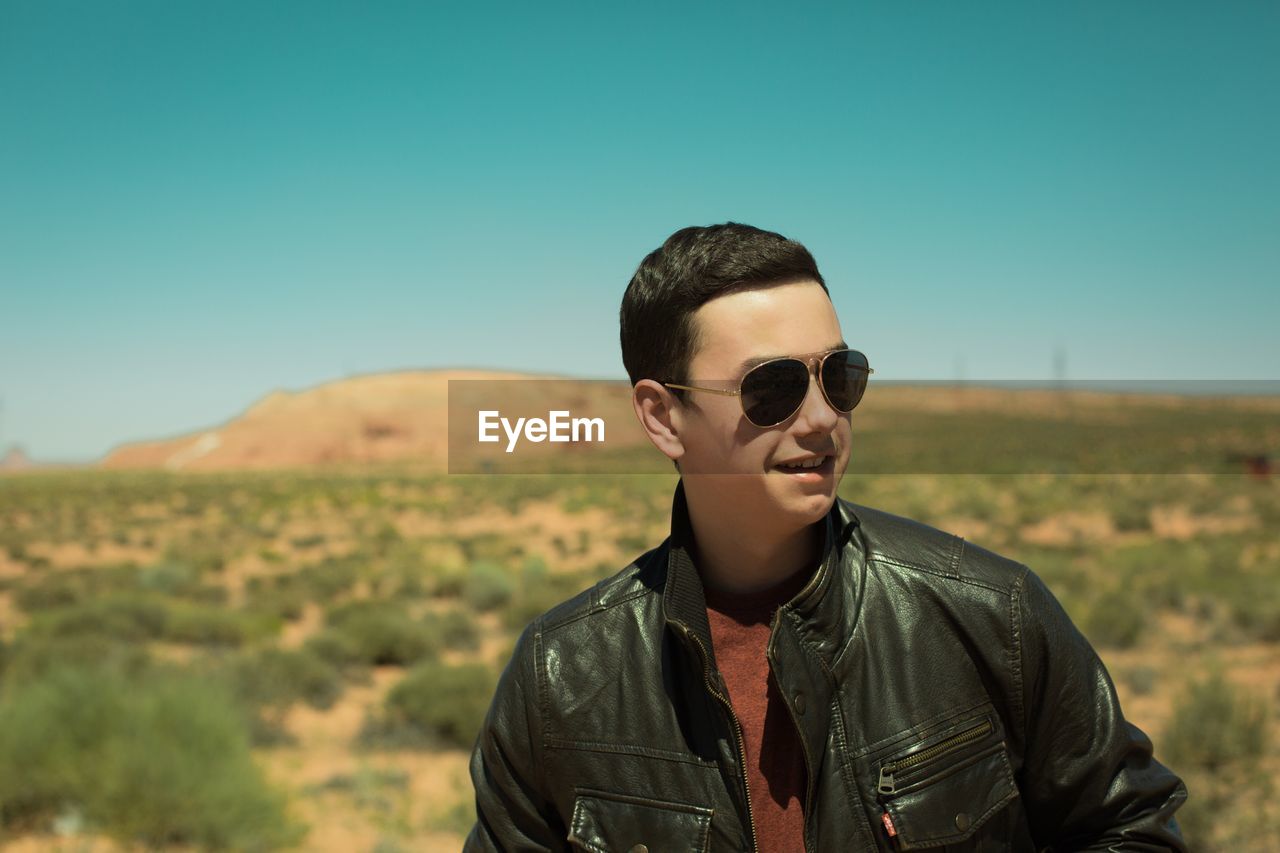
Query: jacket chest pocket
point(617, 823)
point(946, 789)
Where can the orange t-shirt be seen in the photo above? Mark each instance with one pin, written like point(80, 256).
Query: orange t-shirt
point(740, 626)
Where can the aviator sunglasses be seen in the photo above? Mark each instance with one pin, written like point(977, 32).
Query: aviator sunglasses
point(774, 390)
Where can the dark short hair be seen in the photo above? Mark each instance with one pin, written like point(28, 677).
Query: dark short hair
point(694, 266)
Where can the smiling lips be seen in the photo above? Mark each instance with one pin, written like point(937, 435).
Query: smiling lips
point(807, 463)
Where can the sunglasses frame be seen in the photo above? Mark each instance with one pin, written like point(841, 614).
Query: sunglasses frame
point(813, 363)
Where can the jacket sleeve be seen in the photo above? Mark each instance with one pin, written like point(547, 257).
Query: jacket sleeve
point(1090, 780)
point(513, 807)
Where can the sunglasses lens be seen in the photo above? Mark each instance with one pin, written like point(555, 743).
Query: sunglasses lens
point(844, 378)
point(772, 392)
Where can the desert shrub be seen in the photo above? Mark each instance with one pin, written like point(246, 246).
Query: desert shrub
point(371, 789)
point(120, 616)
point(207, 594)
point(457, 818)
point(1142, 680)
point(537, 591)
point(1129, 512)
point(410, 584)
point(1116, 619)
point(275, 679)
point(488, 586)
point(385, 538)
point(381, 632)
point(634, 543)
point(34, 654)
point(161, 759)
point(402, 573)
point(448, 582)
point(490, 547)
point(435, 704)
point(1206, 577)
point(74, 586)
point(404, 580)
point(205, 557)
point(339, 651)
point(44, 593)
point(283, 597)
point(199, 624)
point(268, 682)
point(330, 578)
point(163, 580)
point(310, 540)
point(1216, 726)
point(1256, 612)
point(179, 579)
point(457, 630)
point(170, 577)
point(1216, 740)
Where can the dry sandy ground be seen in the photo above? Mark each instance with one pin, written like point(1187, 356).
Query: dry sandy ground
point(535, 525)
point(1183, 647)
point(341, 822)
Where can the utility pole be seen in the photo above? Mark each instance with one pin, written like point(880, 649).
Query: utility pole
point(1060, 366)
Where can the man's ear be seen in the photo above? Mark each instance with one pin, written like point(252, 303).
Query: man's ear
point(659, 414)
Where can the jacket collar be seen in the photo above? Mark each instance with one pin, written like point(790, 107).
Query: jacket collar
point(817, 604)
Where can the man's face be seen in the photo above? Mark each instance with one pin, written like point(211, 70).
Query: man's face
point(717, 438)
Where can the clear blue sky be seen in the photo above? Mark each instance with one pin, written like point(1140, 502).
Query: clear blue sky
point(201, 202)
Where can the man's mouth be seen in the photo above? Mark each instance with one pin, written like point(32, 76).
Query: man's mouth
point(812, 466)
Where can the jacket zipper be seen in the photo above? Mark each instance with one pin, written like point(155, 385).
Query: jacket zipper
point(737, 728)
point(886, 783)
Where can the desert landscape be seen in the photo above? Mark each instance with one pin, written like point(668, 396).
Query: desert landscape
point(282, 632)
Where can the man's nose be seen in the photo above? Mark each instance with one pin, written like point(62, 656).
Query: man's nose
point(816, 414)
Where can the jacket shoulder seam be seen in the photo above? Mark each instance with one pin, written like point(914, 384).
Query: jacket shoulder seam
point(540, 686)
point(953, 575)
point(957, 552)
point(593, 607)
point(1015, 629)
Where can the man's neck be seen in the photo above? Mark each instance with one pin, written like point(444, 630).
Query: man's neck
point(738, 557)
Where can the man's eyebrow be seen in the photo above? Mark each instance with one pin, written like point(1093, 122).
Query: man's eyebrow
point(761, 359)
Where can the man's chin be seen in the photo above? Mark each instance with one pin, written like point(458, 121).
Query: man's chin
point(809, 505)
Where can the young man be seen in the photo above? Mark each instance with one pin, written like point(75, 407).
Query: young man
point(790, 671)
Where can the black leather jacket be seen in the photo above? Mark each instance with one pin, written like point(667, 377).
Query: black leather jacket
point(932, 682)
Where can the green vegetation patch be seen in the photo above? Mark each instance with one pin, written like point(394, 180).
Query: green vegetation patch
point(161, 759)
point(435, 705)
point(376, 632)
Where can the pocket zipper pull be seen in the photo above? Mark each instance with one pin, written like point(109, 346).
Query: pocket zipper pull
point(885, 785)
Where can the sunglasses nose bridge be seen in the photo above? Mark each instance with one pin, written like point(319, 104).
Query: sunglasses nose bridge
point(813, 376)
point(814, 365)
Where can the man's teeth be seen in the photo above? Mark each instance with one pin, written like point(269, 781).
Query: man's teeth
point(812, 463)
